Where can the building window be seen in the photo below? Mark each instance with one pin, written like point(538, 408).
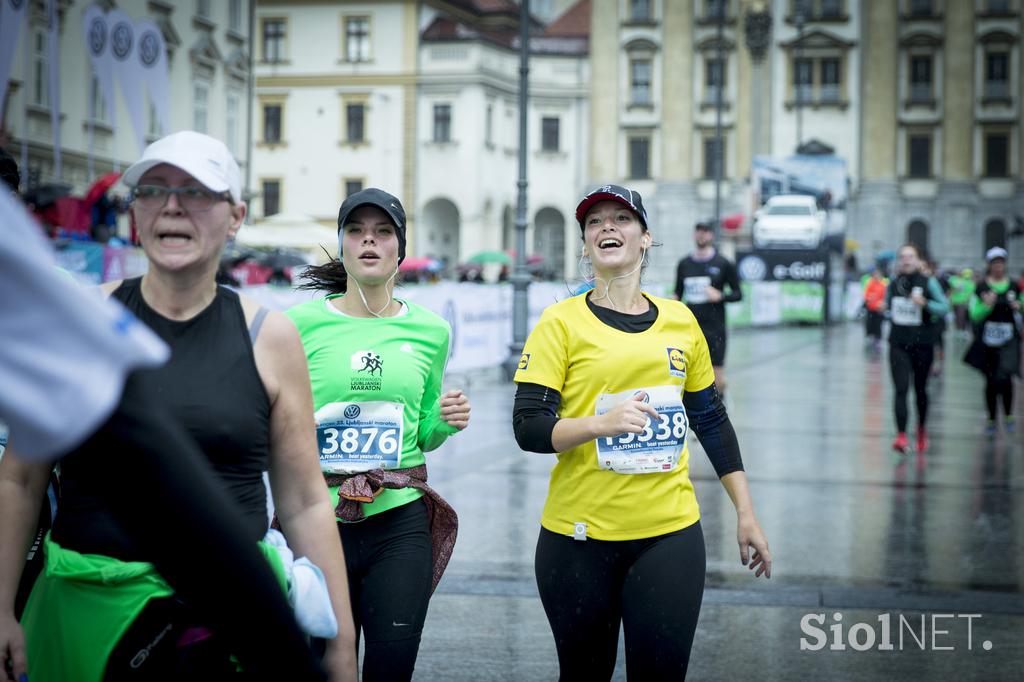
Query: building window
point(97, 105)
point(640, 81)
point(921, 8)
point(919, 156)
point(995, 234)
point(353, 185)
point(830, 79)
point(40, 71)
point(357, 39)
point(153, 128)
point(714, 9)
point(997, 75)
point(355, 122)
point(714, 157)
point(442, 123)
point(549, 134)
point(233, 111)
point(917, 234)
point(200, 106)
point(921, 78)
point(640, 10)
point(489, 126)
point(996, 160)
point(272, 123)
point(999, 6)
point(639, 157)
point(271, 197)
point(203, 8)
point(831, 9)
point(235, 15)
point(273, 40)
point(803, 79)
point(714, 77)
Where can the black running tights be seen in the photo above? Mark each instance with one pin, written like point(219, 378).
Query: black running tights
point(996, 388)
point(906, 361)
point(653, 586)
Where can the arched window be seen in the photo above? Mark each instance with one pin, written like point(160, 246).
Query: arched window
point(995, 234)
point(917, 234)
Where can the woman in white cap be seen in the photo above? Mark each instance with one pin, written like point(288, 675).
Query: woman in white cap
point(612, 380)
point(996, 315)
point(377, 364)
point(236, 380)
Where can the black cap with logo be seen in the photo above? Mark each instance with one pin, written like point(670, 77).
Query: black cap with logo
point(371, 196)
point(627, 197)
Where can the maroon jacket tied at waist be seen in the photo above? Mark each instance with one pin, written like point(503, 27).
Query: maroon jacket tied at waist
point(355, 489)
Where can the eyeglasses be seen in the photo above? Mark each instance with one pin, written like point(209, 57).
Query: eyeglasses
point(192, 199)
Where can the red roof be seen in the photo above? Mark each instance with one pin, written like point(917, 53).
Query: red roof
point(574, 22)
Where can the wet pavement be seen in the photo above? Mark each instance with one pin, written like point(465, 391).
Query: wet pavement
point(933, 545)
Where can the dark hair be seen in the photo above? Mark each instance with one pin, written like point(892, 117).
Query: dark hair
point(9, 173)
point(911, 245)
point(330, 277)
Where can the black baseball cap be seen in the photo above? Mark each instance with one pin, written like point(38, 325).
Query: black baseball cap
point(704, 225)
point(371, 196)
point(627, 197)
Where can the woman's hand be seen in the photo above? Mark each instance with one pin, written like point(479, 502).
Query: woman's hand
point(455, 409)
point(12, 648)
point(340, 661)
point(989, 298)
point(629, 416)
point(749, 534)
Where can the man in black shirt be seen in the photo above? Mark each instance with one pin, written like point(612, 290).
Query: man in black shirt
point(701, 282)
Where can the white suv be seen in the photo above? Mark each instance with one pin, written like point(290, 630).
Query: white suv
point(789, 221)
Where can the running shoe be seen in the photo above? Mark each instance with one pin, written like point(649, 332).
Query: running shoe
point(1009, 423)
point(922, 439)
point(990, 428)
point(901, 445)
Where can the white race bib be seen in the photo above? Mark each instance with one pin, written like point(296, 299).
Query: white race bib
point(905, 312)
point(996, 334)
point(657, 448)
point(357, 437)
point(695, 289)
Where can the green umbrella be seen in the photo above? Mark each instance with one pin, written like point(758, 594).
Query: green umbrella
point(491, 257)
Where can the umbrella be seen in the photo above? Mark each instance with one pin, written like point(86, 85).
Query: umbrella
point(491, 257)
point(732, 222)
point(100, 187)
point(44, 195)
point(415, 263)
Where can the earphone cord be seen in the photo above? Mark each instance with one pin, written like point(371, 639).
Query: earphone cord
point(363, 298)
point(608, 284)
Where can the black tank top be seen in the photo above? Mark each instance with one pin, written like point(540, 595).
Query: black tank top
point(211, 385)
point(910, 327)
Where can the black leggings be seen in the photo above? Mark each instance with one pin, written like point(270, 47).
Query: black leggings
point(390, 570)
point(653, 586)
point(996, 388)
point(906, 360)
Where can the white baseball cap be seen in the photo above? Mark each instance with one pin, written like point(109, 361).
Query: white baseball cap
point(201, 156)
point(995, 252)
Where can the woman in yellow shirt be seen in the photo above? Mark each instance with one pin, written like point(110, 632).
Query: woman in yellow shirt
point(612, 380)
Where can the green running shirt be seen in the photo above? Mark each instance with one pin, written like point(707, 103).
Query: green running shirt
point(368, 360)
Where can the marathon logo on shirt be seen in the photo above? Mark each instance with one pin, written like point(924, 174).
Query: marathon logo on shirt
point(676, 362)
point(367, 370)
point(524, 361)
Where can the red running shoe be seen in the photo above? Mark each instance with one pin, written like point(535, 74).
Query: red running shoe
point(922, 439)
point(901, 445)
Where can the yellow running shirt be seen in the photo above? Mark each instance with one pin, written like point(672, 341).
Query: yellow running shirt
point(595, 366)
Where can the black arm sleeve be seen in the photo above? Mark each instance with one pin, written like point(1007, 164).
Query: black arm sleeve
point(711, 424)
point(733, 280)
point(164, 492)
point(534, 415)
point(679, 281)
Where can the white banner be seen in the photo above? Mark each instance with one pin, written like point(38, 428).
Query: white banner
point(53, 66)
point(97, 44)
point(12, 14)
point(128, 70)
point(152, 59)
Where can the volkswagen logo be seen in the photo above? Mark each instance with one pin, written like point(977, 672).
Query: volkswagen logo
point(122, 40)
point(352, 412)
point(97, 36)
point(752, 269)
point(149, 48)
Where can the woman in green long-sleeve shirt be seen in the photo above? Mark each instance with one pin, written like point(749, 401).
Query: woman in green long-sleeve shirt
point(996, 315)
